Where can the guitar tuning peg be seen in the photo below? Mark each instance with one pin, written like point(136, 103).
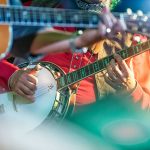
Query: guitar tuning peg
point(80, 32)
point(145, 18)
point(140, 13)
point(134, 17)
point(129, 11)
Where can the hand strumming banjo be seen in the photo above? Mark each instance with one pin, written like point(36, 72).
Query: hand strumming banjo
point(34, 16)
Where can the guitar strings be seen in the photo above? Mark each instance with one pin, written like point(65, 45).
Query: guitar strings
point(43, 14)
point(53, 12)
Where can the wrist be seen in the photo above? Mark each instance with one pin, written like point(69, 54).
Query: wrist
point(78, 42)
point(14, 78)
point(131, 83)
point(76, 46)
point(132, 88)
point(11, 80)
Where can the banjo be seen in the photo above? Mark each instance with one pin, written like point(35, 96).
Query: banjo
point(54, 93)
point(51, 102)
point(38, 16)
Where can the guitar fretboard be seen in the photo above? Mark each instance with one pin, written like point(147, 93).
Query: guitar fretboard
point(100, 65)
point(36, 16)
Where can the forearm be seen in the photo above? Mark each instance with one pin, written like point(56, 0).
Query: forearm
point(48, 39)
point(56, 47)
point(54, 41)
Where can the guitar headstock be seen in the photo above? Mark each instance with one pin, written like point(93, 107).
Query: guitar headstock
point(135, 22)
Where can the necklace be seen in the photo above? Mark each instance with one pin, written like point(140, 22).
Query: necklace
point(90, 7)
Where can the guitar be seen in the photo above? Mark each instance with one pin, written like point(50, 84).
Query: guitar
point(53, 94)
point(34, 16)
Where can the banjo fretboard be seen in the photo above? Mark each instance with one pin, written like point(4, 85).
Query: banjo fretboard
point(100, 65)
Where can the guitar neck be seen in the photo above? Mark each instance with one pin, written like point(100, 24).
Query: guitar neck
point(36, 16)
point(100, 65)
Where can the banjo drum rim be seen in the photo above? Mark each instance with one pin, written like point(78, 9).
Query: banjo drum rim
point(54, 114)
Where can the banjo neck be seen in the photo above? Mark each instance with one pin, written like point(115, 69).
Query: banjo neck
point(100, 65)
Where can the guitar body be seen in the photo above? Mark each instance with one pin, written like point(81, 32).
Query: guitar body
point(50, 103)
point(5, 35)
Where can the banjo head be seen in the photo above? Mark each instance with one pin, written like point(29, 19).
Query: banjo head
point(50, 105)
